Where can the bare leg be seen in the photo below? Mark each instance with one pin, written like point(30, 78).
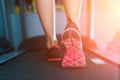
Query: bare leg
point(73, 10)
point(73, 54)
point(46, 12)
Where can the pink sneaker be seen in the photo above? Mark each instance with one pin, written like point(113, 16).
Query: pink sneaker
point(73, 53)
point(54, 53)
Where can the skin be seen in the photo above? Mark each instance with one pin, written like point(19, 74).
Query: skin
point(46, 12)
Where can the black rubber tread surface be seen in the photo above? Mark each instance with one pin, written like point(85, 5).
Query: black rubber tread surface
point(32, 66)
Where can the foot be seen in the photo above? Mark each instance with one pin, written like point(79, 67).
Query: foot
point(73, 54)
point(53, 53)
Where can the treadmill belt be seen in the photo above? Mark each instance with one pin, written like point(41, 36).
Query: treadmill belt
point(32, 66)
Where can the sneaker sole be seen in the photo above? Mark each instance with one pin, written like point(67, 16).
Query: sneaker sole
point(77, 60)
point(54, 59)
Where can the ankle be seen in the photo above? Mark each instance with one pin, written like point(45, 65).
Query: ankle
point(76, 21)
point(51, 43)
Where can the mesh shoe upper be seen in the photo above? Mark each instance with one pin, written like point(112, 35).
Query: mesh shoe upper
point(73, 54)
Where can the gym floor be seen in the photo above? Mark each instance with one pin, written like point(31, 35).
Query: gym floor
point(32, 66)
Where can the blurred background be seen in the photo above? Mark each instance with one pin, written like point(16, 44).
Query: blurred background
point(99, 22)
point(21, 34)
